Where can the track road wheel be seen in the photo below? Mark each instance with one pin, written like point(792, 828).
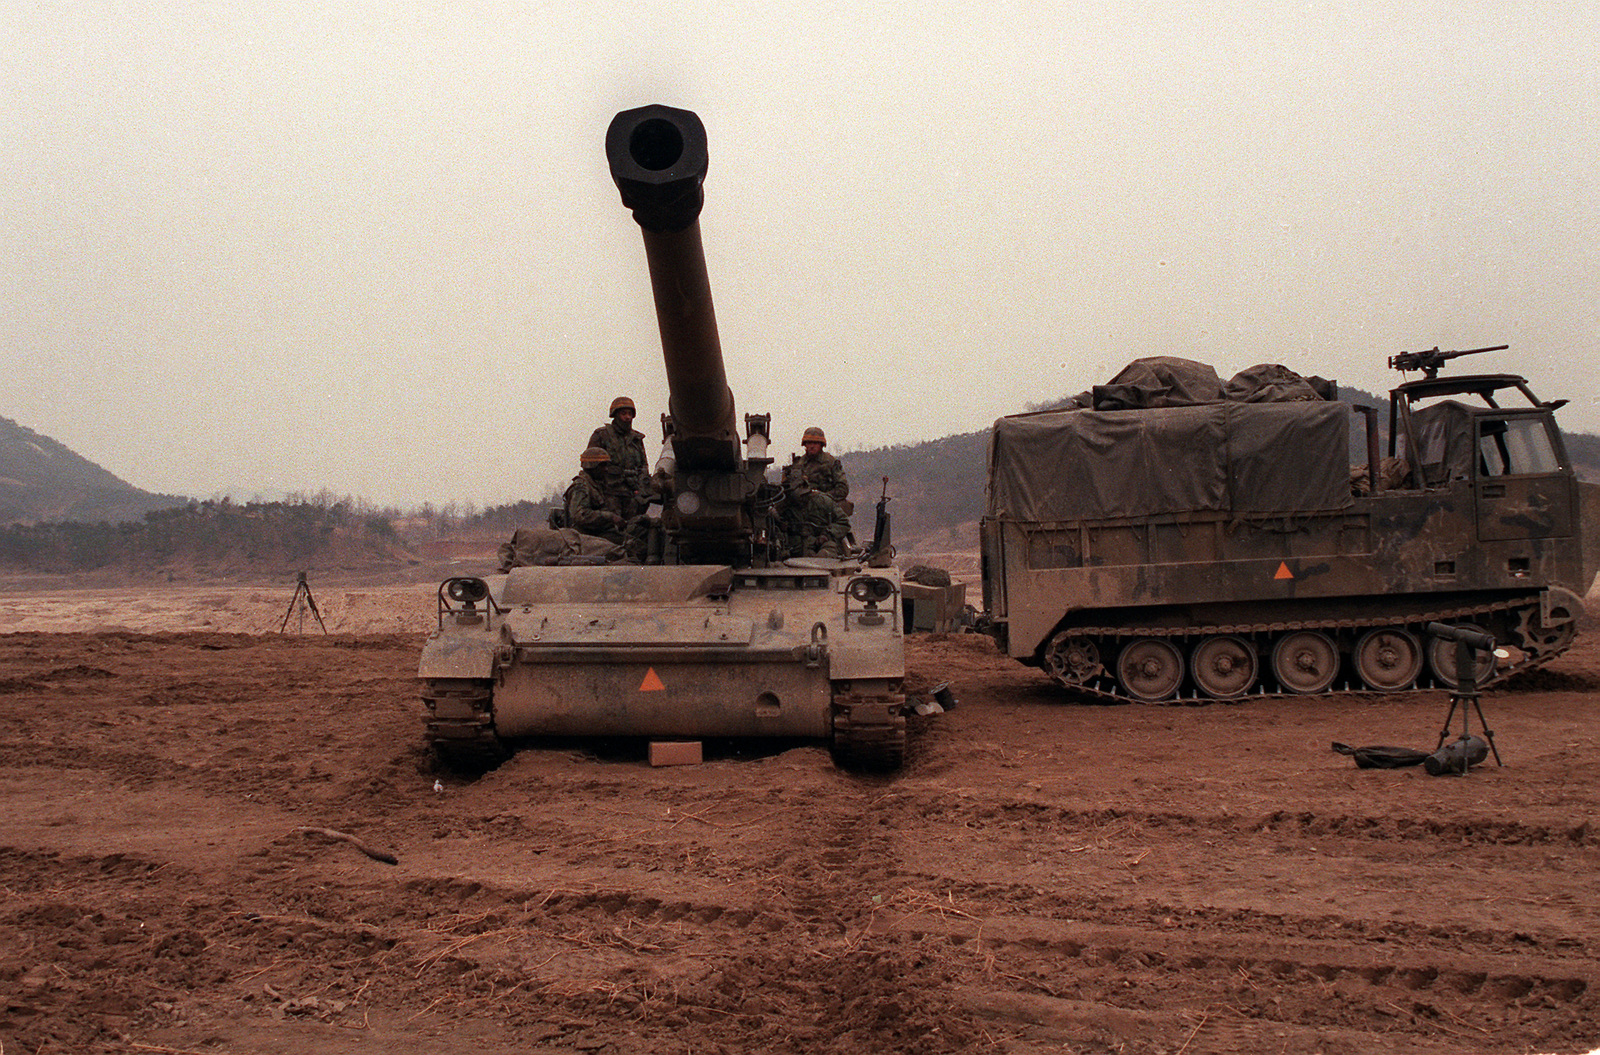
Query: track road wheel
point(1442, 659)
point(1223, 667)
point(1305, 661)
point(1150, 669)
point(1388, 659)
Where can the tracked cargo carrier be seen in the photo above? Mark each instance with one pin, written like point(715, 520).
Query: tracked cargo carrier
point(724, 639)
point(1177, 539)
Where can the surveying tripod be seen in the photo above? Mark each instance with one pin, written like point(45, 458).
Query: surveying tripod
point(302, 597)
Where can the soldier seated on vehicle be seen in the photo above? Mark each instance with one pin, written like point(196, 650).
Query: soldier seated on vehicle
point(823, 471)
point(593, 511)
point(811, 524)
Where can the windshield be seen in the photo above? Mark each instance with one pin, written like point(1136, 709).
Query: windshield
point(1515, 446)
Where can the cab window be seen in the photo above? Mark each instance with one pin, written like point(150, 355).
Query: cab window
point(1515, 446)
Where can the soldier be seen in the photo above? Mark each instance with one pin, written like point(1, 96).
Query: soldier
point(595, 511)
point(628, 477)
point(821, 470)
point(813, 525)
point(590, 508)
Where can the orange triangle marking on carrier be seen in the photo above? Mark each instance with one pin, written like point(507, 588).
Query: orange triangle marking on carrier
point(1283, 571)
point(651, 682)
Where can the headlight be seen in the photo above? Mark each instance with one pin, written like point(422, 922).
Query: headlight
point(466, 591)
point(871, 588)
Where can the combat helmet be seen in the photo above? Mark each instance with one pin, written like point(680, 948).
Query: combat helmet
point(814, 433)
point(623, 403)
point(593, 456)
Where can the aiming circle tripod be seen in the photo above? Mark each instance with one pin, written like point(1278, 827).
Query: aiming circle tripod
point(302, 589)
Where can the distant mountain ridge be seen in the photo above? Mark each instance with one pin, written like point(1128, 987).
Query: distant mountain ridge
point(43, 480)
point(936, 489)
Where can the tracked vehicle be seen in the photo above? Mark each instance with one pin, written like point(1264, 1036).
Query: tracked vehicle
point(722, 640)
point(1195, 546)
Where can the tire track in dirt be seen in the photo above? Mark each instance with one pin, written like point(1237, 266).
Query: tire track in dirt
point(873, 991)
point(1112, 968)
point(1031, 817)
point(804, 915)
point(1153, 964)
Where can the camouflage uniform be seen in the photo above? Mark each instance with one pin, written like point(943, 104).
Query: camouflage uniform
point(592, 511)
point(824, 473)
point(813, 524)
point(627, 476)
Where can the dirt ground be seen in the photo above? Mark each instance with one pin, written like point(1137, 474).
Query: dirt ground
point(1043, 875)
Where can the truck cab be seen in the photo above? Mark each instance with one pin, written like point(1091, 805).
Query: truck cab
point(1512, 457)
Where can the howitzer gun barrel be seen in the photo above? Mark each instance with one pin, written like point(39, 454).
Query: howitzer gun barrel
point(658, 160)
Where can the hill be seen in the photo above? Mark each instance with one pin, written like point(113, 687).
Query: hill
point(211, 541)
point(1584, 450)
point(42, 480)
point(935, 490)
point(61, 514)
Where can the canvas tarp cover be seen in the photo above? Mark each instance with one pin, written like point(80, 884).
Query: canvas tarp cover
point(1275, 383)
point(1445, 442)
point(530, 547)
point(1159, 381)
point(1168, 381)
point(1220, 457)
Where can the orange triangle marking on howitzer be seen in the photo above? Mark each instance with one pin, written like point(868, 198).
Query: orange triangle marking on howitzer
point(651, 682)
point(1283, 571)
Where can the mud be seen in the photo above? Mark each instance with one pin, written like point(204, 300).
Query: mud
point(1043, 876)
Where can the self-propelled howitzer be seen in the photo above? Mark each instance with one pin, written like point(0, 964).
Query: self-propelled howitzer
point(724, 639)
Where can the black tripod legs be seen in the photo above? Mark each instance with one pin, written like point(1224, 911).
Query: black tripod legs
point(302, 589)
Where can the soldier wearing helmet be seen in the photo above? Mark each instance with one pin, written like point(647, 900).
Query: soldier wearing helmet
point(810, 523)
point(627, 477)
point(821, 470)
point(590, 508)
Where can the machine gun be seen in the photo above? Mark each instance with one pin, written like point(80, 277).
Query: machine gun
point(881, 553)
point(717, 491)
point(1430, 361)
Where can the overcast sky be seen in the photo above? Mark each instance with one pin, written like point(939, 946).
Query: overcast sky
point(254, 247)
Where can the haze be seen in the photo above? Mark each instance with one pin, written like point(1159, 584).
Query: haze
point(254, 247)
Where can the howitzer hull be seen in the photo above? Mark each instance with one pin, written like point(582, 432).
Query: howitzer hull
point(688, 652)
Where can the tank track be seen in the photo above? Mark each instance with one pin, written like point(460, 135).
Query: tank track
point(869, 732)
point(1538, 648)
point(460, 724)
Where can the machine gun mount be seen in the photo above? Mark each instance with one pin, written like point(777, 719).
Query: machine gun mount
point(1430, 361)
